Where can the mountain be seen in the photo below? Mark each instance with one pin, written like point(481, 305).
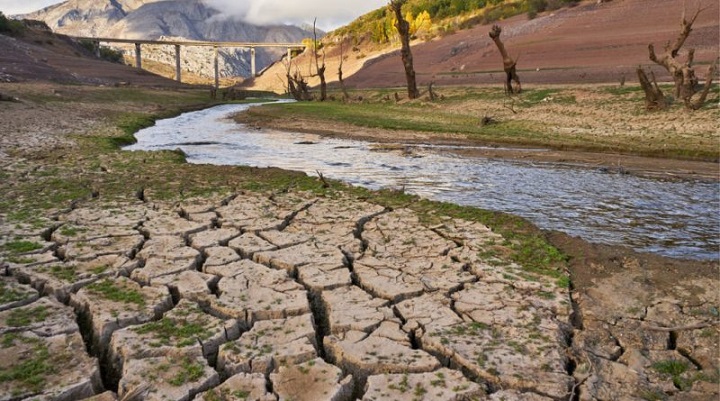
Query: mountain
point(186, 19)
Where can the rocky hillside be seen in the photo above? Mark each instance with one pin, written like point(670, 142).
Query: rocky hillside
point(152, 19)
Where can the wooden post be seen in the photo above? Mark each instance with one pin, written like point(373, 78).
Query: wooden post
point(217, 67)
point(138, 57)
point(177, 63)
point(252, 62)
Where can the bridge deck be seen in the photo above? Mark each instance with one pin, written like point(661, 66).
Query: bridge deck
point(194, 43)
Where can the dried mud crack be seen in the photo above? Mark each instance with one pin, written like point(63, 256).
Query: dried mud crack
point(295, 296)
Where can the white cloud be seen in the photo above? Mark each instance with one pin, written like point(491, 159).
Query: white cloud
point(329, 13)
point(13, 7)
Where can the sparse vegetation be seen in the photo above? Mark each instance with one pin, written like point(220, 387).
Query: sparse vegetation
point(10, 26)
point(109, 289)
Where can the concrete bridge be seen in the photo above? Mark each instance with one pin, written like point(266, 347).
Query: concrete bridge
point(178, 44)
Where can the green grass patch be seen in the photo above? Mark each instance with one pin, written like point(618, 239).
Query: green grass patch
point(21, 246)
point(189, 372)
point(110, 290)
point(168, 331)
point(25, 316)
point(29, 370)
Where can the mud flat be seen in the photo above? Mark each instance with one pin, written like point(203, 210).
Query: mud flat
point(305, 297)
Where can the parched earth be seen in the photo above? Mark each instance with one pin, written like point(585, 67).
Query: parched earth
point(295, 296)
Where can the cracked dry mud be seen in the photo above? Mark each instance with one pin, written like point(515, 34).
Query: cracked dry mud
point(298, 297)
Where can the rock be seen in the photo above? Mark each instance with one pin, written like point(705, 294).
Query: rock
point(270, 344)
point(177, 378)
point(36, 366)
point(441, 385)
point(46, 318)
point(241, 387)
point(112, 304)
point(350, 308)
point(259, 293)
point(314, 380)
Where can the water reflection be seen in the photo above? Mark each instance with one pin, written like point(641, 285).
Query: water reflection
point(677, 219)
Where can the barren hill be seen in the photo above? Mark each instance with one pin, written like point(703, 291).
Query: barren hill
point(589, 43)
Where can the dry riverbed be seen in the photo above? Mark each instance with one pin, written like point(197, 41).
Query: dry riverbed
point(260, 292)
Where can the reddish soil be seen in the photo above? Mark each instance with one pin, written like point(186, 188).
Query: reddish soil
point(589, 43)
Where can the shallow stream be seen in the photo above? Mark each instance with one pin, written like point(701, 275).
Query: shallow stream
point(677, 219)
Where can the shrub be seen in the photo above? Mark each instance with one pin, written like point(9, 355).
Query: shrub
point(9, 26)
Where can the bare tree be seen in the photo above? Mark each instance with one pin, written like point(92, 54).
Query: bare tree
point(320, 69)
point(340, 71)
point(683, 73)
point(654, 98)
point(509, 64)
point(403, 28)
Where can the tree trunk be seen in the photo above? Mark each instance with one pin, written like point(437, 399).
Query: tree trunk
point(320, 69)
point(683, 73)
point(654, 98)
point(340, 74)
point(403, 28)
point(509, 65)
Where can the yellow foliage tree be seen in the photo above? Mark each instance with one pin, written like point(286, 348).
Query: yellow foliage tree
point(420, 23)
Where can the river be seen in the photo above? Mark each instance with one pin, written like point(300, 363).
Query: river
point(672, 218)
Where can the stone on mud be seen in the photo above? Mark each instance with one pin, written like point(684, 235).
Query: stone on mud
point(177, 378)
point(441, 385)
point(313, 380)
point(112, 304)
point(270, 344)
point(241, 387)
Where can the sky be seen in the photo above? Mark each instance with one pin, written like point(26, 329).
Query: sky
point(330, 13)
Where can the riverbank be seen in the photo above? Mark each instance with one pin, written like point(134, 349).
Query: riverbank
point(412, 298)
point(596, 126)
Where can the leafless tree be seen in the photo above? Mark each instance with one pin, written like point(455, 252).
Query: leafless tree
point(654, 97)
point(320, 69)
point(509, 64)
point(683, 73)
point(340, 71)
point(403, 28)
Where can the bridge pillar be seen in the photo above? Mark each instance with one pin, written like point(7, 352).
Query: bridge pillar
point(96, 47)
point(177, 63)
point(138, 57)
point(216, 66)
point(253, 72)
point(289, 54)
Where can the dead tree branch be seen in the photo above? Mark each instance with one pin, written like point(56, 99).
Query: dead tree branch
point(509, 64)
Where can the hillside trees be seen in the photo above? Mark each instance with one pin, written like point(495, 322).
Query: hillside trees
point(403, 28)
point(682, 72)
